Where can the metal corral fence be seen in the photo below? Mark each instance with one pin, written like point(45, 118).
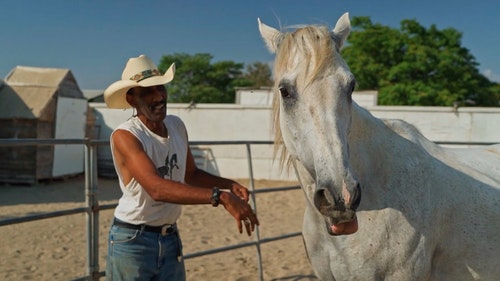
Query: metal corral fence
point(93, 208)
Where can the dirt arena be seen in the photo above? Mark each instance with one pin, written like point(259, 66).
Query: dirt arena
point(56, 249)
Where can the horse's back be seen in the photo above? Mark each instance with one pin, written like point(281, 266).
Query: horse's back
point(482, 163)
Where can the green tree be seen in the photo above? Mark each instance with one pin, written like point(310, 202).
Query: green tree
point(259, 74)
point(416, 65)
point(200, 81)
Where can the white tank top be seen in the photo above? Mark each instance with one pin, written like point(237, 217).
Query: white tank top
point(169, 156)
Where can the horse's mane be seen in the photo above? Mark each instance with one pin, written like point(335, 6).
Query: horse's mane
point(317, 49)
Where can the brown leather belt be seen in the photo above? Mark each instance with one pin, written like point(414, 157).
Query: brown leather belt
point(162, 229)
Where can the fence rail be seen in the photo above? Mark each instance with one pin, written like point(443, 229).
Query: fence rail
point(93, 208)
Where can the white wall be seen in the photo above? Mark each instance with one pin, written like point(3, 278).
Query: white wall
point(218, 122)
point(70, 120)
point(467, 124)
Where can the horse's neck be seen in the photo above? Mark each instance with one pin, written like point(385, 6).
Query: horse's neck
point(370, 141)
point(373, 147)
point(365, 128)
point(378, 146)
point(368, 131)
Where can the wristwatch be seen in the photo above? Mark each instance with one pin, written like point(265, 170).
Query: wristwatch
point(215, 198)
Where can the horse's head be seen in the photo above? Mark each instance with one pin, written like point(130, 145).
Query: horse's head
point(313, 88)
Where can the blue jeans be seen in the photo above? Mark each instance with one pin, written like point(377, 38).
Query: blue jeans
point(142, 255)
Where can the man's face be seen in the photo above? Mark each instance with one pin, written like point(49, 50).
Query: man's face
point(151, 102)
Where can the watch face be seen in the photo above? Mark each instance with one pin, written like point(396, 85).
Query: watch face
point(215, 198)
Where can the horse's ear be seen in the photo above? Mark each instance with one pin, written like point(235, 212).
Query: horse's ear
point(342, 29)
point(270, 35)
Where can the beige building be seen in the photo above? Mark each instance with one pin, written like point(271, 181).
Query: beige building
point(41, 103)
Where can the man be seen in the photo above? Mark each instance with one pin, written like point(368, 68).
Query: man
point(157, 174)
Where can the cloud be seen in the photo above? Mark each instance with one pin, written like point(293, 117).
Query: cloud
point(495, 77)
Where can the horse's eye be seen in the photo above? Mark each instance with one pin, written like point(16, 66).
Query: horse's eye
point(284, 92)
point(352, 86)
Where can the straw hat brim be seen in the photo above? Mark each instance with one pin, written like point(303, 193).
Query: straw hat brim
point(114, 95)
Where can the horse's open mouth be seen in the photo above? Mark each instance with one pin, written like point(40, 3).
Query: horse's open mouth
point(343, 228)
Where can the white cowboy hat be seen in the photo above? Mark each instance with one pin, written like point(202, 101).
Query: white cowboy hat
point(139, 72)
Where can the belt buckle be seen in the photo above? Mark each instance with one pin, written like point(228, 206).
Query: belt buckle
point(165, 229)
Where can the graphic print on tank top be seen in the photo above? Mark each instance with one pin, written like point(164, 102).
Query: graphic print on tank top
point(170, 163)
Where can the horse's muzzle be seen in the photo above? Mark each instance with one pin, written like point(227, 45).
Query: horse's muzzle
point(339, 211)
point(340, 206)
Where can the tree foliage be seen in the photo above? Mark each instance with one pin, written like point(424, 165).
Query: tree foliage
point(259, 74)
point(199, 80)
point(416, 65)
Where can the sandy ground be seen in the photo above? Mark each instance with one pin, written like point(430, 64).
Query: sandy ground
point(56, 249)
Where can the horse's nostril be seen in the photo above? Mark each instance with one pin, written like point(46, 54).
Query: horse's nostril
point(326, 203)
point(357, 197)
point(321, 201)
point(320, 198)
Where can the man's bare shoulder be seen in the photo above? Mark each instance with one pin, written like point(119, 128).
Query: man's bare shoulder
point(124, 140)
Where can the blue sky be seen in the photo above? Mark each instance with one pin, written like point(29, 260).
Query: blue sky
point(95, 38)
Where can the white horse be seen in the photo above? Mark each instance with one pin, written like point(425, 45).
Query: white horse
point(426, 212)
